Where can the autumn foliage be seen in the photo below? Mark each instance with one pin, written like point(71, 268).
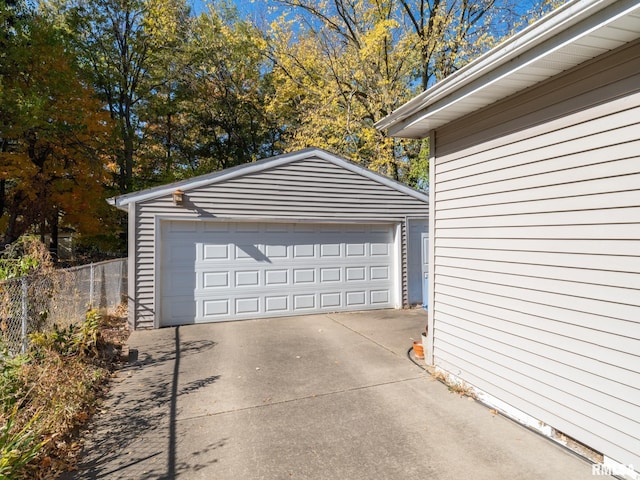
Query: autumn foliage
point(53, 132)
point(106, 97)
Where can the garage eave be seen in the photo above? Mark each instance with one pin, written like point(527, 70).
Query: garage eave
point(116, 202)
point(574, 33)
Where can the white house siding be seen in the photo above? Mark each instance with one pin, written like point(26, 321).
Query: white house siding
point(414, 271)
point(312, 189)
point(536, 271)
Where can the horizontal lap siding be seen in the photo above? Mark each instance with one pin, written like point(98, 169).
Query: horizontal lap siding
point(302, 190)
point(310, 189)
point(537, 252)
point(145, 280)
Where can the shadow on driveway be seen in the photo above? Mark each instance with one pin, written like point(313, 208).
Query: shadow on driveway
point(139, 437)
point(315, 398)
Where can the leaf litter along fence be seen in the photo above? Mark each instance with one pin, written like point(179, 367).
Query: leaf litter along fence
point(36, 303)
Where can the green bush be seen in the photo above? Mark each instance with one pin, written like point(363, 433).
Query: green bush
point(11, 384)
point(45, 394)
point(17, 447)
point(71, 340)
point(24, 257)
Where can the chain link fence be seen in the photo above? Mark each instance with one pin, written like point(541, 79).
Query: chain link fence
point(36, 303)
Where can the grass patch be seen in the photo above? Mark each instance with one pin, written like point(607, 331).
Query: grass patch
point(47, 394)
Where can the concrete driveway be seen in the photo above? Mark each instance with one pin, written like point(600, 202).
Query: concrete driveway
point(316, 397)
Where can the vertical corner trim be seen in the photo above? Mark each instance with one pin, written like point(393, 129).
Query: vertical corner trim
point(131, 265)
point(429, 353)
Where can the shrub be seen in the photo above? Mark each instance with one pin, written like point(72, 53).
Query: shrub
point(18, 446)
point(45, 395)
point(71, 340)
point(24, 257)
point(11, 384)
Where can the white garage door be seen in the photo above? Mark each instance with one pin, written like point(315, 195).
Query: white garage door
point(213, 271)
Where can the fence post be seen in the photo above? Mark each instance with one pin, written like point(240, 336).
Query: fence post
point(91, 281)
point(25, 316)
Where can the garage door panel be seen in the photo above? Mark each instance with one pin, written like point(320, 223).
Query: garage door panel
point(184, 227)
point(304, 301)
point(330, 250)
point(215, 252)
point(276, 277)
point(276, 303)
point(379, 297)
point(355, 274)
point(216, 227)
point(248, 305)
point(304, 275)
point(275, 252)
point(248, 227)
point(248, 252)
point(183, 282)
point(276, 227)
point(234, 271)
point(248, 278)
point(215, 307)
point(379, 249)
point(181, 312)
point(380, 273)
point(304, 251)
point(356, 298)
point(304, 227)
point(355, 250)
point(213, 280)
point(180, 254)
point(331, 300)
point(328, 275)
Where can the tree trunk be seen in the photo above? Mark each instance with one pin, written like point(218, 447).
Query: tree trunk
point(13, 229)
point(53, 224)
point(125, 176)
point(128, 158)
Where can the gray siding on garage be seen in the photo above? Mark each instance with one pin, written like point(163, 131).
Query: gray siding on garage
point(311, 189)
point(537, 252)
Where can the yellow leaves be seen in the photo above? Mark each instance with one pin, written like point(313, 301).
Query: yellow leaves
point(337, 83)
point(372, 42)
point(16, 165)
point(162, 20)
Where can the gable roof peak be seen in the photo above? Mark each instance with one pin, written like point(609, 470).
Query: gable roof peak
point(123, 201)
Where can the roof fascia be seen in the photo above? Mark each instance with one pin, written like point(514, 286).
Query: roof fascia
point(544, 36)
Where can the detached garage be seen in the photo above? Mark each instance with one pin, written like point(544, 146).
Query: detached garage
point(306, 232)
point(535, 225)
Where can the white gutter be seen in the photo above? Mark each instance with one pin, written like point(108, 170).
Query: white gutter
point(512, 54)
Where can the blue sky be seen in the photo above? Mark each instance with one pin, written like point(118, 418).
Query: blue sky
point(254, 8)
point(258, 8)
